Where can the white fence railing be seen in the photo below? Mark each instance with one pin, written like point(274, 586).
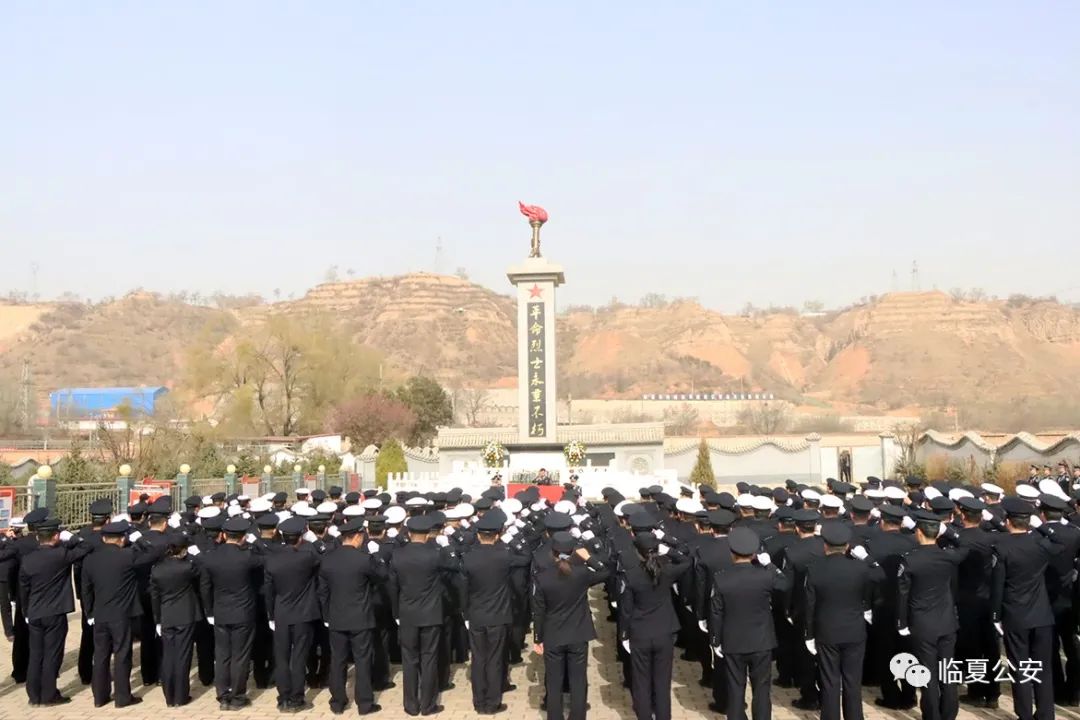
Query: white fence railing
point(475, 481)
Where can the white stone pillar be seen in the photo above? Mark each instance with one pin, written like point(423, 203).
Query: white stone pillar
point(536, 280)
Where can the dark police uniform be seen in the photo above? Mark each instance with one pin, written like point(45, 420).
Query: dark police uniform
point(293, 608)
point(346, 587)
point(174, 602)
point(110, 595)
point(227, 585)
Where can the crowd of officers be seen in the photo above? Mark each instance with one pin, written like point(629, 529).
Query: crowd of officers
point(828, 584)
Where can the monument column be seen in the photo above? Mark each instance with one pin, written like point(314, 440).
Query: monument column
point(536, 280)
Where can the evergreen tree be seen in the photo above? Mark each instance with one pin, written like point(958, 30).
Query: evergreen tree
point(391, 459)
point(703, 472)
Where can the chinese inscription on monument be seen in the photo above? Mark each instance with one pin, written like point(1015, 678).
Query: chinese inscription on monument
point(537, 359)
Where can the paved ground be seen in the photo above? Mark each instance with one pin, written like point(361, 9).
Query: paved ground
point(609, 700)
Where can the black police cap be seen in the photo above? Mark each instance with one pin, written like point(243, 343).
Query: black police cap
point(335, 490)
point(236, 524)
point(36, 517)
point(557, 521)
point(721, 518)
point(120, 527)
point(743, 541)
point(1053, 502)
point(861, 504)
point(101, 507)
point(292, 526)
point(419, 524)
point(893, 513)
point(563, 542)
point(193, 502)
point(267, 521)
point(353, 526)
point(1016, 507)
point(490, 523)
point(280, 497)
point(836, 533)
point(971, 504)
point(352, 498)
point(214, 523)
point(218, 497)
point(47, 524)
point(642, 521)
point(161, 506)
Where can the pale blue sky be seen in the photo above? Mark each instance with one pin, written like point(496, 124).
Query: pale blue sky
point(733, 151)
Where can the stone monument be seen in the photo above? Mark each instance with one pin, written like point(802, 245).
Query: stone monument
point(536, 280)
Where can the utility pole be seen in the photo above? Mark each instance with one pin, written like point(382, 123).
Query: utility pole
point(439, 259)
point(26, 395)
point(915, 286)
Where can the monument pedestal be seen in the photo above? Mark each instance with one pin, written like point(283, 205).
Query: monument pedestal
point(536, 280)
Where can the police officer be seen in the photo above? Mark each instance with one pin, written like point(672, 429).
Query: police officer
point(927, 611)
point(713, 554)
point(174, 602)
point(346, 582)
point(487, 606)
point(1060, 586)
point(797, 561)
point(976, 639)
point(292, 609)
point(650, 624)
point(562, 622)
point(417, 585)
point(741, 629)
point(1020, 605)
point(227, 586)
point(21, 545)
point(46, 598)
point(100, 512)
point(839, 597)
point(110, 592)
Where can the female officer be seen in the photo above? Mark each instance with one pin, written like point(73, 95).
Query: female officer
point(175, 604)
point(649, 625)
point(562, 622)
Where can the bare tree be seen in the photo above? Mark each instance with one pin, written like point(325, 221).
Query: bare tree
point(471, 403)
point(682, 420)
point(764, 418)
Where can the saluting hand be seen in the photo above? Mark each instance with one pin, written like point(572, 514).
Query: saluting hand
point(582, 553)
point(538, 648)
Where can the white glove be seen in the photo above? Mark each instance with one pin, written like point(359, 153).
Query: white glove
point(907, 523)
point(333, 531)
point(659, 534)
point(719, 653)
point(764, 559)
point(133, 536)
point(1000, 630)
point(392, 533)
point(537, 506)
point(904, 632)
point(193, 550)
point(941, 529)
point(65, 536)
point(448, 530)
point(626, 645)
point(250, 539)
point(507, 538)
point(174, 521)
point(576, 533)
point(442, 541)
point(664, 549)
point(868, 616)
point(1036, 522)
point(466, 624)
point(525, 512)
point(875, 513)
point(518, 524)
point(987, 516)
point(588, 535)
point(372, 547)
point(157, 629)
point(210, 619)
point(309, 536)
point(398, 622)
point(703, 626)
point(326, 624)
point(464, 524)
point(272, 624)
point(89, 621)
point(614, 603)
point(811, 646)
point(859, 552)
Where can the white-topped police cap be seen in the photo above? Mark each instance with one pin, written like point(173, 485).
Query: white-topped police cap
point(242, 498)
point(511, 506)
point(992, 489)
point(931, 492)
point(1050, 487)
point(17, 522)
point(300, 505)
point(452, 513)
point(745, 500)
point(565, 506)
point(124, 517)
point(303, 491)
point(326, 508)
point(831, 501)
point(957, 493)
point(416, 502)
point(618, 510)
point(894, 493)
point(395, 515)
point(235, 510)
point(874, 493)
point(208, 512)
point(372, 504)
point(811, 495)
point(283, 515)
point(306, 511)
point(685, 505)
point(269, 497)
point(352, 511)
point(465, 510)
point(760, 502)
point(1028, 492)
point(260, 505)
point(207, 500)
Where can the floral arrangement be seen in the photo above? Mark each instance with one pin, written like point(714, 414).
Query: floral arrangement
point(575, 453)
point(494, 454)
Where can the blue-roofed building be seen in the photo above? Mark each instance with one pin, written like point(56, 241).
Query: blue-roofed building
point(71, 404)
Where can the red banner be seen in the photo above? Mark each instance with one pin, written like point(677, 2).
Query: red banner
point(551, 493)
